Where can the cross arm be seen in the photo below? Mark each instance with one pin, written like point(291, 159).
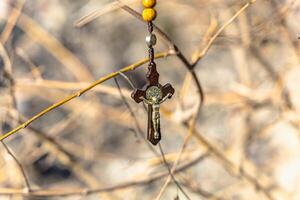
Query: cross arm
point(168, 90)
point(138, 95)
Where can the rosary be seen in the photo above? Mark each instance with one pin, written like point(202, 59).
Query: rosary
point(153, 93)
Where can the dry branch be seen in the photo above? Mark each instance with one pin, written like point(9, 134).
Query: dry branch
point(72, 192)
point(78, 94)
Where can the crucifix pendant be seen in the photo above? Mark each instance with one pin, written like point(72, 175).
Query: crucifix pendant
point(153, 95)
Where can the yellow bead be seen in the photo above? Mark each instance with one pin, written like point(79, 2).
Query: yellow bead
point(149, 14)
point(149, 3)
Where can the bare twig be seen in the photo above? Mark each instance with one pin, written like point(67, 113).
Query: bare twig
point(185, 143)
point(12, 20)
point(63, 85)
point(238, 170)
point(63, 55)
point(128, 80)
point(99, 12)
point(137, 125)
point(72, 192)
point(143, 136)
point(78, 94)
point(222, 28)
point(26, 180)
point(170, 172)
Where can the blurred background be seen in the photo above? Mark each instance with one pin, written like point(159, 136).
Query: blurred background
point(244, 144)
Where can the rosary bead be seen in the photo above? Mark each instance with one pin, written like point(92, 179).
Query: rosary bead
point(149, 3)
point(149, 14)
point(151, 40)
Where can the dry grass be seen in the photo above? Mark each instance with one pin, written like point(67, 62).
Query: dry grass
point(231, 132)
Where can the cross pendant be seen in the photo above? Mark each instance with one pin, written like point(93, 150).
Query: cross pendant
point(153, 95)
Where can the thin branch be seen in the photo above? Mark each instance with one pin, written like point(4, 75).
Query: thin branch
point(78, 94)
point(8, 73)
point(72, 192)
point(84, 20)
point(141, 132)
point(194, 187)
point(64, 85)
point(132, 86)
point(185, 143)
point(264, 62)
point(65, 157)
point(170, 172)
point(26, 180)
point(239, 171)
point(128, 80)
point(216, 35)
point(34, 68)
point(38, 34)
point(12, 20)
point(137, 125)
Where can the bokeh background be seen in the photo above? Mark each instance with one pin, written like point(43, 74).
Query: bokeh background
point(244, 144)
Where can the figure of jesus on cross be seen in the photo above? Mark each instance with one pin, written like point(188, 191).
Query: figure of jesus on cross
point(153, 95)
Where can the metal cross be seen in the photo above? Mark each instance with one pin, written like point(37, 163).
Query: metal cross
point(153, 95)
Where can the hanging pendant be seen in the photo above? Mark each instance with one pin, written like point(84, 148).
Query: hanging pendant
point(153, 94)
